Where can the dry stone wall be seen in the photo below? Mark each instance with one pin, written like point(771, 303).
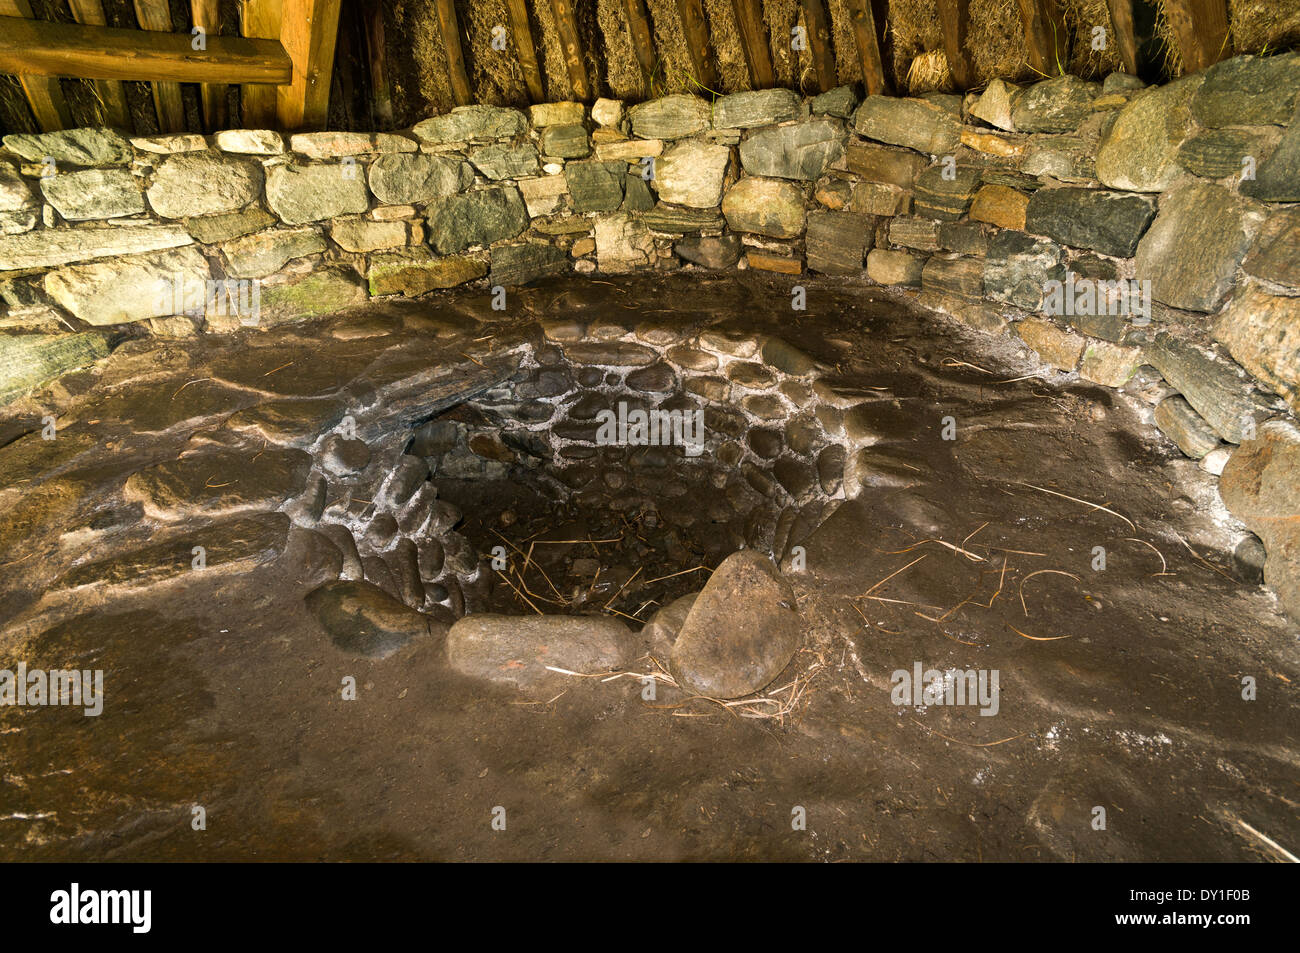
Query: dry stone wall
point(1107, 225)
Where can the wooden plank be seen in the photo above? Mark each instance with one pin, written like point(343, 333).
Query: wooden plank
point(1201, 28)
point(44, 95)
point(753, 39)
point(819, 42)
point(696, 32)
point(309, 30)
point(260, 19)
point(868, 34)
point(954, 21)
point(456, 75)
point(381, 93)
point(1121, 18)
point(93, 52)
point(156, 16)
point(111, 92)
point(522, 32)
point(204, 14)
point(643, 46)
point(1045, 38)
point(566, 25)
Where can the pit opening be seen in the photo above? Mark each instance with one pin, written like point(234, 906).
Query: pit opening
point(611, 476)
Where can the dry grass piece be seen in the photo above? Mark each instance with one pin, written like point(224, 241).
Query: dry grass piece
point(1039, 572)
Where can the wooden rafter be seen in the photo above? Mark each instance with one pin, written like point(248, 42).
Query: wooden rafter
point(67, 49)
point(867, 32)
point(1121, 17)
point(1201, 28)
point(456, 74)
point(43, 92)
point(753, 39)
point(381, 95)
point(643, 47)
point(696, 31)
point(260, 19)
point(522, 33)
point(954, 20)
point(155, 15)
point(309, 31)
point(819, 42)
point(566, 25)
point(111, 92)
point(1045, 38)
point(207, 17)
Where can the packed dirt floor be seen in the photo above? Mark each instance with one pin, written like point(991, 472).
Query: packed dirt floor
point(1120, 689)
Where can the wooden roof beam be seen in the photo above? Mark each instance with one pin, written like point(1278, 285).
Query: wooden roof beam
point(44, 95)
point(753, 40)
point(155, 15)
point(46, 48)
point(566, 25)
point(1046, 43)
point(696, 31)
point(1201, 27)
point(868, 22)
point(525, 49)
point(954, 20)
point(819, 42)
point(456, 74)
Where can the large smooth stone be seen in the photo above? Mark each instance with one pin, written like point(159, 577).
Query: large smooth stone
point(741, 632)
point(515, 650)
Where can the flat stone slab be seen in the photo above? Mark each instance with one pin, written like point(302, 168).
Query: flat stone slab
point(60, 247)
point(219, 482)
point(670, 117)
point(233, 545)
point(1215, 390)
point(914, 123)
point(1108, 222)
point(516, 650)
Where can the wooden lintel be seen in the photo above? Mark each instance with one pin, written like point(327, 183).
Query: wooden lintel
point(46, 48)
point(867, 32)
point(753, 40)
point(1201, 28)
point(1046, 44)
point(696, 32)
point(566, 25)
point(819, 42)
point(954, 20)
